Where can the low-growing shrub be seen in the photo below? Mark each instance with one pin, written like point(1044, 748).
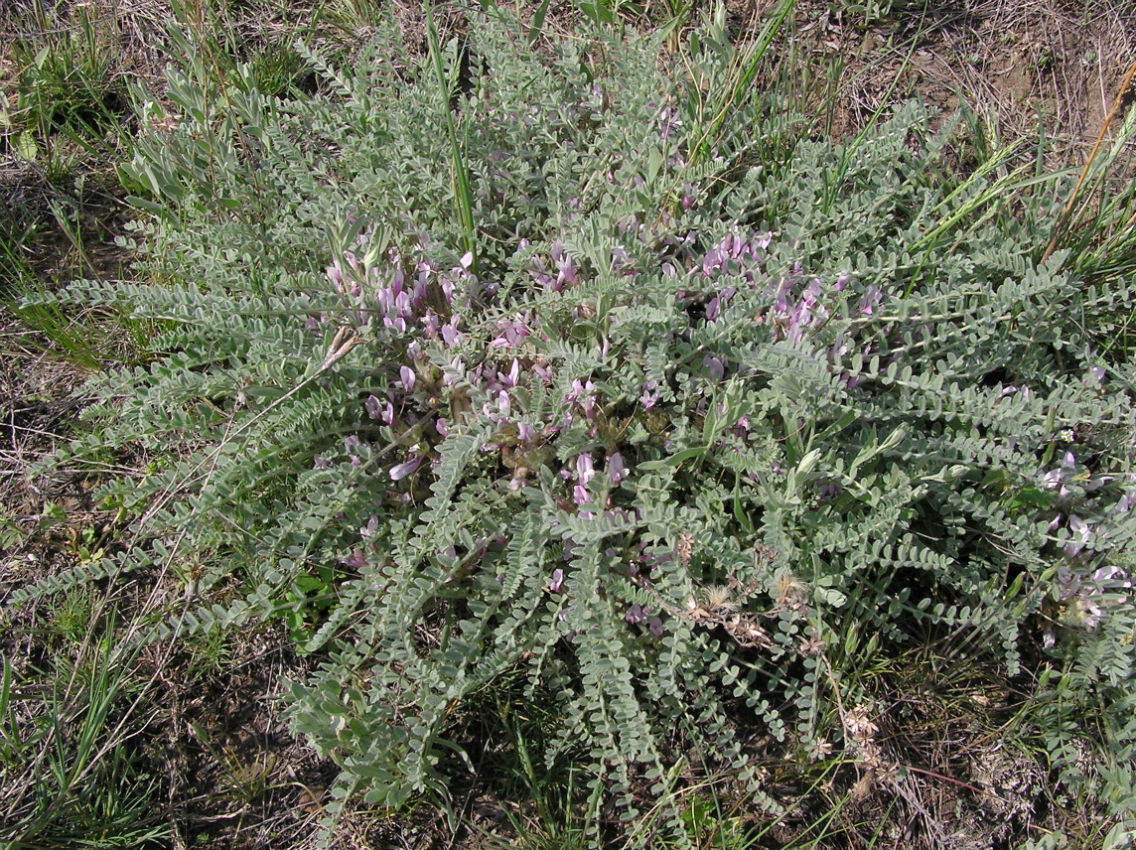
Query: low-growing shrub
point(708, 415)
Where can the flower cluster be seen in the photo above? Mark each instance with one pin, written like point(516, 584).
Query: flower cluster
point(403, 304)
point(560, 274)
point(1089, 595)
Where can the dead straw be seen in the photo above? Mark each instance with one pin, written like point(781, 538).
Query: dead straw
point(1116, 107)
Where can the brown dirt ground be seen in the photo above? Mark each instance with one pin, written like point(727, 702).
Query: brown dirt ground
point(234, 777)
point(1017, 64)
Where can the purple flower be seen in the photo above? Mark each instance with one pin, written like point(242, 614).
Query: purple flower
point(616, 469)
point(335, 275)
point(811, 296)
point(715, 366)
point(713, 261)
point(556, 581)
point(451, 336)
point(373, 406)
point(504, 406)
point(1055, 478)
point(514, 375)
point(565, 273)
point(713, 309)
point(1006, 392)
point(1112, 578)
point(355, 559)
point(578, 389)
point(589, 406)
point(871, 300)
point(1098, 482)
point(385, 298)
point(1090, 593)
point(1082, 532)
point(649, 398)
point(829, 491)
point(565, 268)
point(510, 332)
point(406, 378)
point(584, 469)
point(421, 292)
point(399, 472)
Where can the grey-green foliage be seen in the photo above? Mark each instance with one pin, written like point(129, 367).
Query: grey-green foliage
point(694, 444)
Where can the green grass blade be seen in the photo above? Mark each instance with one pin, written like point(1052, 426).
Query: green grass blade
point(537, 22)
point(463, 193)
point(748, 62)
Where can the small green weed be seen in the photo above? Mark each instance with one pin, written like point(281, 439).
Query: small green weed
point(210, 653)
point(867, 13)
point(12, 534)
point(71, 615)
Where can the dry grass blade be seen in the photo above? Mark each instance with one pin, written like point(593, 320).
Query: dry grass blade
point(1117, 105)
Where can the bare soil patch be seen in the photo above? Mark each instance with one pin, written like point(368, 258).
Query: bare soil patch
point(1022, 68)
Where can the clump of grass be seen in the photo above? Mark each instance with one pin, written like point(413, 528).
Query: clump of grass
point(1097, 225)
point(68, 94)
point(69, 773)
